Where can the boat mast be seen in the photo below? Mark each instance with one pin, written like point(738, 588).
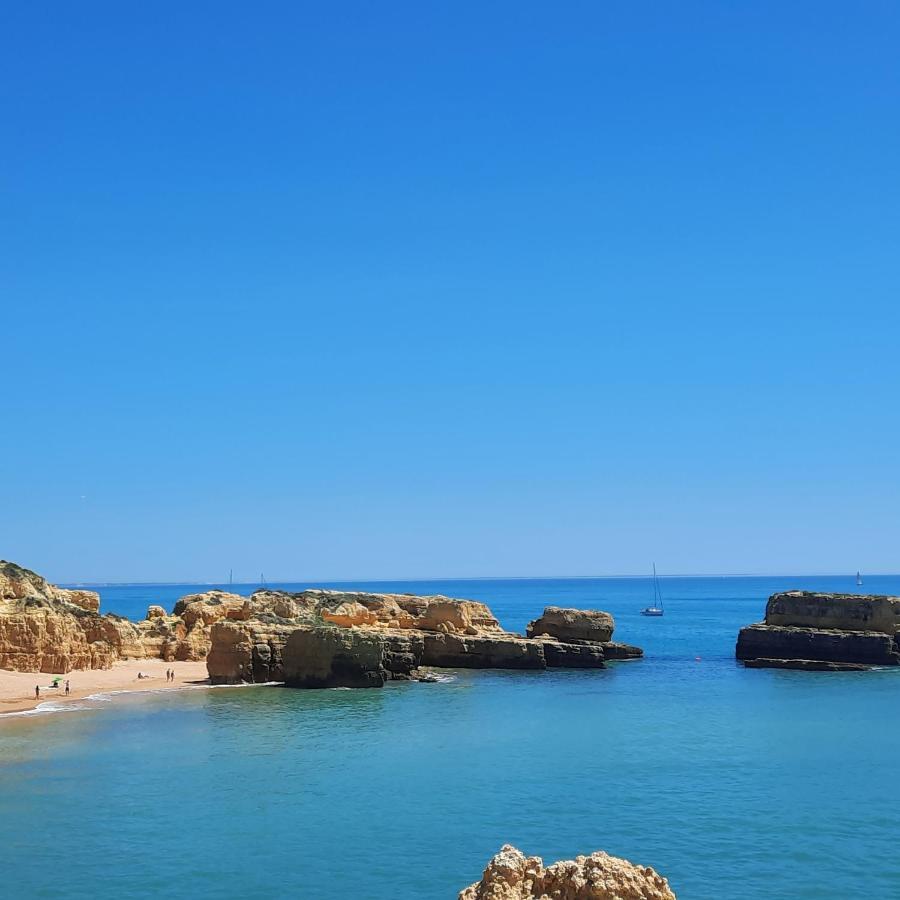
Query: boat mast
point(657, 594)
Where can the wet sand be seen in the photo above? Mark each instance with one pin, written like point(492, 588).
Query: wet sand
point(17, 688)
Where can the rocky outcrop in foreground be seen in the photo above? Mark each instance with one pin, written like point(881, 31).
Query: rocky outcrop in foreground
point(510, 875)
point(823, 632)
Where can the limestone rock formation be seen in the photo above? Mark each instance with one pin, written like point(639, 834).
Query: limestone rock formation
point(574, 656)
point(573, 624)
point(616, 650)
point(247, 651)
point(248, 641)
point(326, 656)
point(342, 638)
point(836, 631)
point(403, 611)
point(455, 651)
point(510, 875)
point(44, 628)
point(17, 583)
point(842, 612)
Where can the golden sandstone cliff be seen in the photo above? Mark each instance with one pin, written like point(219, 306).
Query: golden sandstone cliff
point(510, 875)
point(48, 629)
point(44, 628)
point(354, 639)
point(311, 638)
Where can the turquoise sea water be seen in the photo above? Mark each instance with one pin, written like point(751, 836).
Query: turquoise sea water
point(734, 783)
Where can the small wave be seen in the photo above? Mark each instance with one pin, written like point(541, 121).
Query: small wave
point(442, 678)
point(91, 701)
point(44, 709)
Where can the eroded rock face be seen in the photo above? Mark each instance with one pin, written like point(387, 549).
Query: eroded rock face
point(18, 583)
point(402, 611)
point(573, 656)
point(249, 652)
point(573, 624)
point(823, 632)
point(510, 875)
point(616, 650)
point(89, 600)
point(457, 651)
point(843, 612)
point(774, 642)
point(415, 631)
point(325, 657)
point(44, 628)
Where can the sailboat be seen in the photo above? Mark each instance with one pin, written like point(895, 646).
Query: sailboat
point(656, 609)
point(858, 578)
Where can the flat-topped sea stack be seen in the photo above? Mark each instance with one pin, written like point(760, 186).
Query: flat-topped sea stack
point(511, 875)
point(823, 632)
point(355, 639)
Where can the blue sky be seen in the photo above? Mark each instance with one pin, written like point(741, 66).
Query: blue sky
point(381, 290)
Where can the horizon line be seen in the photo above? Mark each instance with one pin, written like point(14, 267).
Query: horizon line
point(406, 579)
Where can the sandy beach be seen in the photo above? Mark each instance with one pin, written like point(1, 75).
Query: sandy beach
point(17, 688)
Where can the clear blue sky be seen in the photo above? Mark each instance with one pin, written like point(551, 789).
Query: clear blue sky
point(343, 290)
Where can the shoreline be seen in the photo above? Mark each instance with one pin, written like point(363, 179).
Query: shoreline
point(17, 688)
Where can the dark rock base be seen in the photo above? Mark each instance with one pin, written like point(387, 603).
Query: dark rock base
point(454, 651)
point(782, 642)
point(615, 650)
point(573, 656)
point(806, 665)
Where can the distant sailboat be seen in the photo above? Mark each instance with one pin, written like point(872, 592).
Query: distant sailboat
point(656, 609)
point(858, 578)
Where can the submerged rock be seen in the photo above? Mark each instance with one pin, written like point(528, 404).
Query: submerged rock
point(803, 628)
point(808, 665)
point(510, 875)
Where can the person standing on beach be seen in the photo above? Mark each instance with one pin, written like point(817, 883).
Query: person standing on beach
point(67, 687)
point(37, 692)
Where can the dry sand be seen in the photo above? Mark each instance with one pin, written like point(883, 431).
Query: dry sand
point(17, 688)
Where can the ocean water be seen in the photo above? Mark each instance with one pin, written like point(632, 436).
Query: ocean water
point(734, 783)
